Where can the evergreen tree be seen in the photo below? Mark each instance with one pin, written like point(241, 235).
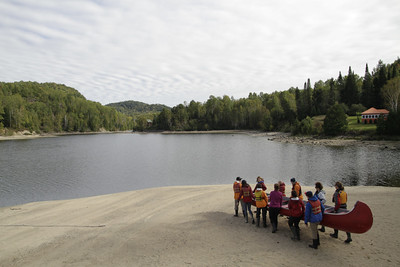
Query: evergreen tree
point(332, 98)
point(335, 122)
point(379, 80)
point(350, 92)
point(367, 93)
point(340, 87)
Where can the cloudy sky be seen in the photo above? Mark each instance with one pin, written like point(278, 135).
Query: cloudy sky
point(171, 51)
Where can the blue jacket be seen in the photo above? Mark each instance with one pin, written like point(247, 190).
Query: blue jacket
point(309, 216)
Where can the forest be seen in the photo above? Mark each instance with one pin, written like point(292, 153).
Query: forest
point(134, 108)
point(51, 107)
point(292, 110)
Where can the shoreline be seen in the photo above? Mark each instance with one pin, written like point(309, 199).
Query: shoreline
point(272, 136)
point(185, 225)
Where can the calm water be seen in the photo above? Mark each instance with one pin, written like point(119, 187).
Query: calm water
point(86, 165)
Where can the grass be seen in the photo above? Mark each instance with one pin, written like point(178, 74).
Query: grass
point(353, 126)
point(360, 127)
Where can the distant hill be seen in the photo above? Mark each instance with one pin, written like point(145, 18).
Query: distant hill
point(50, 107)
point(135, 107)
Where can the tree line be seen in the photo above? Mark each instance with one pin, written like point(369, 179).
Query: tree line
point(289, 110)
point(51, 107)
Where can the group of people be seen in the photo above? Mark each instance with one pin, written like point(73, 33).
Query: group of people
point(312, 211)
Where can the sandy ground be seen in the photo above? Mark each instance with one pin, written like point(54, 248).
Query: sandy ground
point(185, 226)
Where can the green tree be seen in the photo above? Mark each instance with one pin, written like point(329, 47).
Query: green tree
point(350, 93)
point(367, 89)
point(165, 119)
point(335, 122)
point(391, 94)
point(379, 80)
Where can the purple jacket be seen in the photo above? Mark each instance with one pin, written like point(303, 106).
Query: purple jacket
point(275, 199)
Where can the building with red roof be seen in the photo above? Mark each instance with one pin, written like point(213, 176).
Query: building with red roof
point(372, 115)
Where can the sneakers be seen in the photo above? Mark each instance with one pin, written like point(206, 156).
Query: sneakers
point(334, 235)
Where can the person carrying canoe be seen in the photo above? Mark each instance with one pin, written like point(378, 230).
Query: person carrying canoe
point(313, 215)
point(237, 185)
point(296, 187)
point(340, 200)
point(320, 194)
point(260, 181)
point(248, 196)
point(296, 209)
point(261, 204)
point(275, 205)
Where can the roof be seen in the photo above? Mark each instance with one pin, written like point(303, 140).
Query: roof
point(375, 111)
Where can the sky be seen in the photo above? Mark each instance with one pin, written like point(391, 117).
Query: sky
point(174, 51)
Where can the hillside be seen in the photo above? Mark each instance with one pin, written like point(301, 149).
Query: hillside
point(132, 108)
point(51, 107)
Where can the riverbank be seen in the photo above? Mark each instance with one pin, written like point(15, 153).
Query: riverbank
point(334, 141)
point(182, 226)
point(25, 135)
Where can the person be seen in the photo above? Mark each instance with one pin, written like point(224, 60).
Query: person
point(248, 196)
point(261, 204)
point(313, 215)
point(320, 194)
point(237, 185)
point(275, 205)
point(260, 181)
point(340, 200)
point(282, 187)
point(296, 187)
point(296, 210)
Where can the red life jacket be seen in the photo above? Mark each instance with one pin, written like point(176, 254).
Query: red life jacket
point(315, 206)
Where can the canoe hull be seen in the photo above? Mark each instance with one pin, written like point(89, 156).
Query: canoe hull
point(358, 220)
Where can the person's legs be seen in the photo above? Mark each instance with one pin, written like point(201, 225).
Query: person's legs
point(264, 215)
point(246, 218)
point(314, 234)
point(348, 240)
point(243, 207)
point(335, 233)
point(296, 227)
point(258, 217)
point(236, 207)
point(248, 204)
point(292, 228)
point(273, 216)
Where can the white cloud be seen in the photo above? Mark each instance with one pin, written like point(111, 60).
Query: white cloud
point(174, 51)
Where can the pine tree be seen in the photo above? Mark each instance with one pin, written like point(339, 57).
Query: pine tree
point(350, 92)
point(367, 89)
point(380, 78)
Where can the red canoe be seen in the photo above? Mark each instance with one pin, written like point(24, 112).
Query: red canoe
point(358, 220)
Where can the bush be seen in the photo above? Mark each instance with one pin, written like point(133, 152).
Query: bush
point(356, 108)
point(391, 126)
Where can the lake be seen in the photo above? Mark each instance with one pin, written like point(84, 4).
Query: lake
point(86, 165)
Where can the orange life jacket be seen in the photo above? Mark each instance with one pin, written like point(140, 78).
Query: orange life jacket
point(315, 206)
point(236, 189)
point(261, 199)
point(296, 187)
point(343, 197)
